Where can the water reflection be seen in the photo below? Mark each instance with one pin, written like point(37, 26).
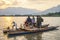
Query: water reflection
point(15, 38)
point(36, 36)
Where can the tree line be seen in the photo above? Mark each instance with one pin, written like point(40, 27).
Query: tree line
point(52, 14)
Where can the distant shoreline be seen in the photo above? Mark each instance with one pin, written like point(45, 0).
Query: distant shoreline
point(28, 15)
point(50, 16)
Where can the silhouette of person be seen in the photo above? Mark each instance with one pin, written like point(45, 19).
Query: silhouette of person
point(14, 25)
point(39, 21)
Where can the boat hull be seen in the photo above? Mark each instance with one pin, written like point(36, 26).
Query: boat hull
point(30, 32)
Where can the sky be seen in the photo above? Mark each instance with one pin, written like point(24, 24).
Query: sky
point(31, 4)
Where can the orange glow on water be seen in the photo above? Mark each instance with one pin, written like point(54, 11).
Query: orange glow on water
point(8, 21)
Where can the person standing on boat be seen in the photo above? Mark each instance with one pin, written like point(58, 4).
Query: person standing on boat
point(14, 25)
point(33, 21)
point(29, 21)
point(39, 21)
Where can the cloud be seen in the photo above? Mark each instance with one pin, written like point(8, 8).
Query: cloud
point(32, 4)
point(2, 3)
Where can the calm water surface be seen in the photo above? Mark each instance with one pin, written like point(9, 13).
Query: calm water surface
point(51, 35)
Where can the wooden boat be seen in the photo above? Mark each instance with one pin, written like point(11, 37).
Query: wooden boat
point(30, 30)
point(10, 30)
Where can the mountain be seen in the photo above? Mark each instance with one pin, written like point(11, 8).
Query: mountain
point(51, 10)
point(18, 11)
point(26, 11)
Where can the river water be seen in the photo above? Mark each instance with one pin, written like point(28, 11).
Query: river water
point(51, 35)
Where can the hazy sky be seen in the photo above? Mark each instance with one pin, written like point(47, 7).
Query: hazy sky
point(32, 4)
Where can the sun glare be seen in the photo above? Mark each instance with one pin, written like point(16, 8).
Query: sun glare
point(8, 19)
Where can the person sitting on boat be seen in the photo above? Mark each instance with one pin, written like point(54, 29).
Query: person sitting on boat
point(33, 21)
point(26, 23)
point(8, 28)
point(14, 25)
point(39, 21)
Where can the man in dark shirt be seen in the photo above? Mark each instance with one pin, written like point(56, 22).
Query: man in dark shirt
point(29, 20)
point(39, 21)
